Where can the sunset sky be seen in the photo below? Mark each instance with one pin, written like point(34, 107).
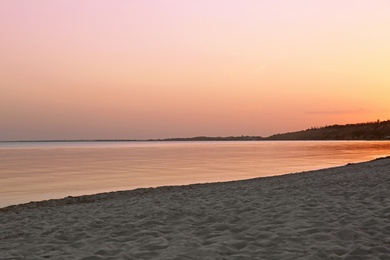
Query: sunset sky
point(89, 69)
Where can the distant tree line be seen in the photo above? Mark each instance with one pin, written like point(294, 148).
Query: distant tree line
point(208, 138)
point(378, 130)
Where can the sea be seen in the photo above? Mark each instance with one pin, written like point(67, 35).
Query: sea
point(34, 171)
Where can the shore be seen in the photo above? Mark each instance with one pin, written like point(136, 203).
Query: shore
point(335, 213)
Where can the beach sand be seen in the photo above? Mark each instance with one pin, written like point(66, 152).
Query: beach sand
point(336, 213)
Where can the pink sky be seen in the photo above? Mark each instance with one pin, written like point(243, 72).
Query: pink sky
point(73, 69)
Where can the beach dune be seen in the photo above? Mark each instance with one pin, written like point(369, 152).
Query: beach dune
point(335, 213)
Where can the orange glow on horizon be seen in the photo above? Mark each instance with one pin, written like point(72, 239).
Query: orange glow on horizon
point(120, 69)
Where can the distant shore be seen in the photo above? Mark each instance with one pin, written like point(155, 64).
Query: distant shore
point(370, 131)
point(198, 138)
point(333, 213)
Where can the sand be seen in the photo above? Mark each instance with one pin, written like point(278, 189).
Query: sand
point(336, 213)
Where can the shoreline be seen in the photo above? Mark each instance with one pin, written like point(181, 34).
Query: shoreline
point(55, 178)
point(332, 213)
point(90, 198)
point(195, 139)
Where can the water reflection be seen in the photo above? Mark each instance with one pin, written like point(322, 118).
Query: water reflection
point(37, 171)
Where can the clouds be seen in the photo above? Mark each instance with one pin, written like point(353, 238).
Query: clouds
point(339, 112)
point(128, 69)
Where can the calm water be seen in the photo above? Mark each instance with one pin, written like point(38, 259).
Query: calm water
point(38, 171)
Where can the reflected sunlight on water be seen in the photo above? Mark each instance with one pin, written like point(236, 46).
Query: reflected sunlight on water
point(37, 171)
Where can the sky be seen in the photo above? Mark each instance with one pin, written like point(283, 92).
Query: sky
point(120, 69)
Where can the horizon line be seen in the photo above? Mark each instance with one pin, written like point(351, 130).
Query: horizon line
point(241, 137)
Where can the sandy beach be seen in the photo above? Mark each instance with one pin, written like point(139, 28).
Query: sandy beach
point(336, 213)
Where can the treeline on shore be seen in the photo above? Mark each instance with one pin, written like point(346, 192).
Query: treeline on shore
point(208, 138)
point(379, 130)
